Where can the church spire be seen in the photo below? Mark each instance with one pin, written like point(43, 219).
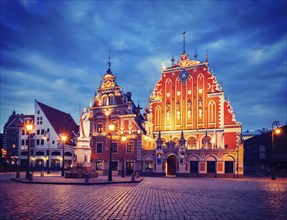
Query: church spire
point(183, 33)
point(109, 60)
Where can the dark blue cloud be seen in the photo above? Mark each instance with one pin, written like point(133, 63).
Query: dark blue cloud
point(56, 53)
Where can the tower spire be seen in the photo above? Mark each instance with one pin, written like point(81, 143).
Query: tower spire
point(183, 33)
point(109, 59)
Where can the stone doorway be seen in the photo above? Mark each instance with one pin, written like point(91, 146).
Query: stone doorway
point(171, 165)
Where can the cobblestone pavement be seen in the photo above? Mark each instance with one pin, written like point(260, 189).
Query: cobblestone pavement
point(153, 198)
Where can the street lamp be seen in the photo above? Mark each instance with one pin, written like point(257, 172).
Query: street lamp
point(29, 128)
point(48, 139)
point(64, 139)
point(275, 130)
point(111, 129)
point(124, 138)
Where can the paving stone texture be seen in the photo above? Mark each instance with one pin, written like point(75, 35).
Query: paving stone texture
point(153, 198)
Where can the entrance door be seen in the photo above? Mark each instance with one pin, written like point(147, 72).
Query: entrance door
point(229, 167)
point(210, 166)
point(129, 168)
point(193, 166)
point(171, 165)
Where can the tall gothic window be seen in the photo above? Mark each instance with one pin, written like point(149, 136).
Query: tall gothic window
point(211, 112)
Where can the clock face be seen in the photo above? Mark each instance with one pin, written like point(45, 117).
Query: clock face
point(183, 75)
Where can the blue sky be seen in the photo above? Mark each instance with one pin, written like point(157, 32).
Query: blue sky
point(56, 51)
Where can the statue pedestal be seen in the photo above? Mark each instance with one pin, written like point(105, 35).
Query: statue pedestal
point(83, 152)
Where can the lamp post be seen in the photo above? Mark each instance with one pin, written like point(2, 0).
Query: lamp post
point(64, 139)
point(48, 139)
point(111, 129)
point(124, 138)
point(29, 128)
point(277, 130)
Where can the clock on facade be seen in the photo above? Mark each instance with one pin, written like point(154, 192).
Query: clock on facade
point(183, 75)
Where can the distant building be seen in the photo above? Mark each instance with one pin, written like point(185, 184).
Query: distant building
point(46, 149)
point(251, 133)
point(259, 155)
point(112, 106)
point(11, 137)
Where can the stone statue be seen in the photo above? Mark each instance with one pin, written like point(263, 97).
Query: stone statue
point(84, 124)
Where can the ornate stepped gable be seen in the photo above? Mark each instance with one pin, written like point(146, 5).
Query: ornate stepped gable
point(189, 98)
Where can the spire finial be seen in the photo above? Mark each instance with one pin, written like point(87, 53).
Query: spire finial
point(109, 58)
point(183, 33)
point(206, 56)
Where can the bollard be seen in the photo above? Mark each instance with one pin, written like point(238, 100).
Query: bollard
point(30, 178)
point(86, 177)
point(18, 174)
point(42, 173)
point(133, 177)
point(137, 175)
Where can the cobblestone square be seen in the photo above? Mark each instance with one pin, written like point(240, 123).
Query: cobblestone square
point(153, 198)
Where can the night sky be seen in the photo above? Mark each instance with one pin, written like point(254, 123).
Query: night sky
point(57, 51)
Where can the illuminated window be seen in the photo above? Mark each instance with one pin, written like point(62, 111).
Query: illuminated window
point(99, 128)
point(130, 147)
point(148, 166)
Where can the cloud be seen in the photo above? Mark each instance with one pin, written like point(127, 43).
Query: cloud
point(57, 52)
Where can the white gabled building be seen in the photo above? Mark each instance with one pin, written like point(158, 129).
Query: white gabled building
point(46, 145)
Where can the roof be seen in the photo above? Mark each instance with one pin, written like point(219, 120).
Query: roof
point(61, 122)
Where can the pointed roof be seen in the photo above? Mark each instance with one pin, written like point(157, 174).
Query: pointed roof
point(61, 122)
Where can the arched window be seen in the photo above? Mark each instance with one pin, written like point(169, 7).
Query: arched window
point(211, 112)
point(206, 142)
point(191, 143)
point(40, 153)
point(56, 153)
point(158, 117)
point(105, 100)
point(69, 154)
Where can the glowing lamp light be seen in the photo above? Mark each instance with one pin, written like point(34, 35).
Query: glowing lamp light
point(64, 138)
point(29, 127)
point(111, 127)
point(124, 138)
point(277, 131)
